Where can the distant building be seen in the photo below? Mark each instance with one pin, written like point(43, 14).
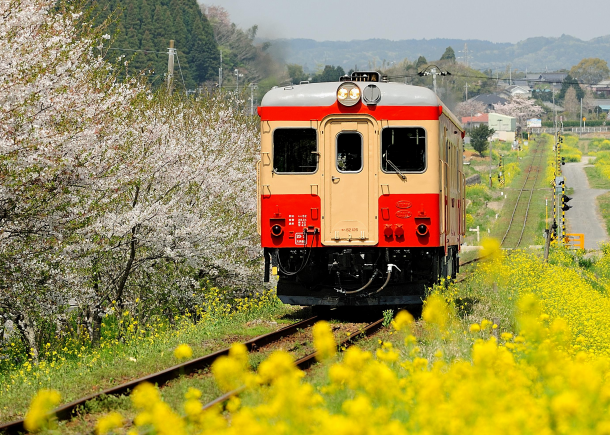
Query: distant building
point(474, 121)
point(602, 88)
point(553, 78)
point(489, 100)
point(504, 126)
point(602, 104)
point(514, 90)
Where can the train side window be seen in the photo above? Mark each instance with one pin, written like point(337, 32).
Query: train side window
point(295, 150)
point(349, 152)
point(403, 149)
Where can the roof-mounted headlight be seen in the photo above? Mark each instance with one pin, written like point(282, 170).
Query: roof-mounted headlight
point(348, 94)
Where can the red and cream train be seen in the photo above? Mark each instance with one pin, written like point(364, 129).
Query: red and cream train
point(360, 190)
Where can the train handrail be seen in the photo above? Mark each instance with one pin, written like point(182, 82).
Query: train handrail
point(258, 198)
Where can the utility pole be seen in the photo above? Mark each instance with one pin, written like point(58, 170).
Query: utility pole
point(237, 76)
point(220, 72)
point(170, 65)
point(433, 72)
point(466, 86)
point(252, 87)
point(554, 108)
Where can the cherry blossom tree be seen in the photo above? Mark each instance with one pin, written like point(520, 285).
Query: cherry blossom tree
point(470, 108)
point(519, 107)
point(107, 188)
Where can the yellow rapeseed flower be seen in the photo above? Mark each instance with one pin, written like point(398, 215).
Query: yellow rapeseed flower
point(491, 248)
point(436, 311)
point(108, 422)
point(183, 351)
point(403, 320)
point(38, 415)
point(323, 340)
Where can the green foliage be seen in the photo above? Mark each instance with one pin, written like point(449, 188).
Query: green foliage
point(479, 137)
point(296, 73)
point(421, 61)
point(569, 149)
point(601, 144)
point(449, 54)
point(149, 25)
point(330, 73)
point(591, 70)
point(570, 82)
point(388, 315)
point(478, 193)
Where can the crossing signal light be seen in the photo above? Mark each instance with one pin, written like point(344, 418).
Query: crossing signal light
point(566, 207)
point(566, 198)
point(560, 139)
point(563, 160)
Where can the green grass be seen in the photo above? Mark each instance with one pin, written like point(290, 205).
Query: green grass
point(596, 180)
point(603, 202)
point(121, 362)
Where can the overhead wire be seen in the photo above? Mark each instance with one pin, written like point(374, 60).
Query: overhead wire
point(485, 77)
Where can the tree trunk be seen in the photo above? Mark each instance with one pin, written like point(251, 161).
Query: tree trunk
point(94, 325)
point(28, 335)
point(132, 256)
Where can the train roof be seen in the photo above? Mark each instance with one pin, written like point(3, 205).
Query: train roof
point(325, 94)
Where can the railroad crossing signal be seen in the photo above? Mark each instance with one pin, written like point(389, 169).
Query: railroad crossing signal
point(559, 218)
point(564, 200)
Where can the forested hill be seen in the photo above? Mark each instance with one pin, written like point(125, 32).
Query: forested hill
point(149, 25)
point(535, 54)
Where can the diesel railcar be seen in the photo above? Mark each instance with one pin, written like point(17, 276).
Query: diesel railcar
point(360, 191)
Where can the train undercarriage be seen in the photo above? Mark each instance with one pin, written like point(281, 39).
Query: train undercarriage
point(358, 276)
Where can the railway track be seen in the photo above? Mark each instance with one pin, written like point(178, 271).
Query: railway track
point(69, 410)
point(307, 361)
point(518, 220)
point(260, 343)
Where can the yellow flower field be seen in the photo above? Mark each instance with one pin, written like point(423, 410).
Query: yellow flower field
point(540, 366)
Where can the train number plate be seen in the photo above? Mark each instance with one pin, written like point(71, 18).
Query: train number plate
point(299, 239)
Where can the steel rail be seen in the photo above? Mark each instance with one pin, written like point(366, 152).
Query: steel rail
point(307, 361)
point(539, 153)
point(69, 410)
point(529, 202)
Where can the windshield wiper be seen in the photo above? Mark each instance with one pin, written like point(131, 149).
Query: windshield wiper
point(400, 174)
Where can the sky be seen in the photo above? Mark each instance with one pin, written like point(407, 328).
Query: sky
point(494, 21)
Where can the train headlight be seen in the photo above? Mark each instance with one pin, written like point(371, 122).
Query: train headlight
point(348, 94)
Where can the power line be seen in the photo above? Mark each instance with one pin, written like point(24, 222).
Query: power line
point(485, 77)
point(141, 51)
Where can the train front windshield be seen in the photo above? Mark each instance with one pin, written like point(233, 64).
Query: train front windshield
point(403, 149)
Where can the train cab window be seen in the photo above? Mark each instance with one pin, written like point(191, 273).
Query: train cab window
point(295, 150)
point(403, 149)
point(349, 152)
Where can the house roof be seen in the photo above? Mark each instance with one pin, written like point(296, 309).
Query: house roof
point(554, 77)
point(481, 117)
point(514, 88)
point(489, 99)
point(522, 83)
point(602, 84)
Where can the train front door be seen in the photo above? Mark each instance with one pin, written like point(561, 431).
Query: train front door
point(349, 183)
